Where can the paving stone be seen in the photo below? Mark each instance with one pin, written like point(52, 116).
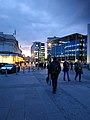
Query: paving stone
point(15, 114)
point(3, 113)
point(28, 97)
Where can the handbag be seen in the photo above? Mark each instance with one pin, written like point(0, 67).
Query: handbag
point(48, 81)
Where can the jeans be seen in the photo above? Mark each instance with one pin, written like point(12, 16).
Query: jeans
point(54, 78)
point(66, 72)
point(78, 74)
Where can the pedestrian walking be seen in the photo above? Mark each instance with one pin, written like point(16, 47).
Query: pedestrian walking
point(66, 70)
point(71, 65)
point(55, 69)
point(78, 70)
point(49, 72)
point(44, 65)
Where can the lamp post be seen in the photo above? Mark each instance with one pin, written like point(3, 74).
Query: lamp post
point(55, 51)
point(75, 48)
point(38, 58)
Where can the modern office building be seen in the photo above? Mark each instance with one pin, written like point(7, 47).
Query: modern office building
point(38, 51)
point(88, 44)
point(69, 47)
point(9, 49)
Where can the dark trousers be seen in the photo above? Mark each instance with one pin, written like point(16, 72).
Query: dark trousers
point(48, 73)
point(78, 74)
point(54, 78)
point(66, 72)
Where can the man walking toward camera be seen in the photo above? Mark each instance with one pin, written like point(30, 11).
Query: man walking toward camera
point(66, 70)
point(55, 69)
point(49, 73)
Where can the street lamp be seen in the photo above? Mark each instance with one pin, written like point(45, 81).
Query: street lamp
point(38, 56)
point(49, 44)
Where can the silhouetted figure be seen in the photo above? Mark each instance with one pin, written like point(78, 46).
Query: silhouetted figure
point(66, 70)
point(44, 65)
point(55, 69)
point(49, 72)
point(71, 65)
point(78, 70)
point(41, 65)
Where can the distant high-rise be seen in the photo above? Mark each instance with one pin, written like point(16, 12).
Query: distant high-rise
point(38, 51)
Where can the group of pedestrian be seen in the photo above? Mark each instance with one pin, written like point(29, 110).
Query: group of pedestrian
point(54, 69)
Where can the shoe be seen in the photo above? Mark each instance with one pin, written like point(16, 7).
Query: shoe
point(74, 78)
point(47, 80)
point(80, 81)
point(69, 80)
point(54, 92)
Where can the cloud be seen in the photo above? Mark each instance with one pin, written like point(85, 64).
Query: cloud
point(6, 17)
point(8, 4)
point(36, 20)
point(25, 47)
point(24, 8)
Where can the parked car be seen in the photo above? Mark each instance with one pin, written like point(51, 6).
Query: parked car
point(2, 64)
point(11, 68)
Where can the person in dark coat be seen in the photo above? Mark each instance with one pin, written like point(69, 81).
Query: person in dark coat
point(49, 73)
point(44, 65)
point(78, 70)
point(71, 64)
point(66, 70)
point(55, 69)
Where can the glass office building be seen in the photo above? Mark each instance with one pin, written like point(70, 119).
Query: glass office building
point(38, 51)
point(70, 47)
point(88, 43)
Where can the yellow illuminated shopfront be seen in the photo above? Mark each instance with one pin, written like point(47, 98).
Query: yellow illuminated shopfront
point(11, 59)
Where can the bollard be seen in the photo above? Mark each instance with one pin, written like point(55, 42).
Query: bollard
point(89, 67)
point(29, 69)
point(16, 71)
point(23, 69)
point(6, 72)
point(38, 66)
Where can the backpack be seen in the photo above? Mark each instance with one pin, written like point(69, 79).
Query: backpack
point(78, 66)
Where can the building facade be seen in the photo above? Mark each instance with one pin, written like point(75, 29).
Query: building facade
point(38, 52)
point(9, 49)
point(69, 47)
point(88, 44)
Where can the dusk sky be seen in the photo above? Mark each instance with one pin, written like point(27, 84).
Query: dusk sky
point(35, 20)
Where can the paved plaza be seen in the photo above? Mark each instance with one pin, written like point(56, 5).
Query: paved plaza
point(27, 96)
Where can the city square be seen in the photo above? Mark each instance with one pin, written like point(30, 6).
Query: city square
point(44, 60)
point(27, 96)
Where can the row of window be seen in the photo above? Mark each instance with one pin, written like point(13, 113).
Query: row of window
point(71, 48)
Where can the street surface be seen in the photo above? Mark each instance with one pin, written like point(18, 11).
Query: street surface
point(27, 96)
